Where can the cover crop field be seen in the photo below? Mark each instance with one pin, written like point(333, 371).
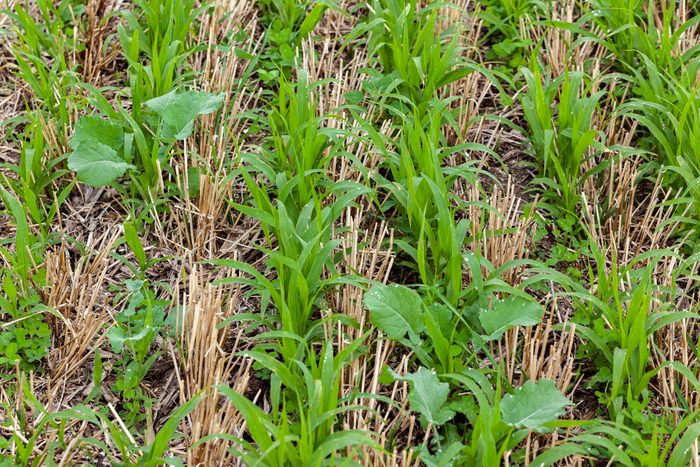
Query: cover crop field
point(328, 232)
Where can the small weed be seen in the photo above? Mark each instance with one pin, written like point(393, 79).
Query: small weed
point(507, 22)
point(24, 335)
point(288, 22)
point(104, 149)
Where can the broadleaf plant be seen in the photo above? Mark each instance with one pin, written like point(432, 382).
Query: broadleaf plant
point(97, 164)
point(395, 310)
point(103, 150)
point(178, 111)
point(509, 312)
point(428, 396)
point(533, 405)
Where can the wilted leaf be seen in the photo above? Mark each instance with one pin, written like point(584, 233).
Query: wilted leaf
point(96, 164)
point(395, 310)
point(428, 395)
point(533, 404)
point(178, 111)
point(510, 312)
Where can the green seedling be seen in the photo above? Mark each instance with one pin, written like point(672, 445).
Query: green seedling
point(670, 446)
point(504, 20)
point(154, 42)
point(288, 22)
point(105, 150)
point(562, 136)
point(306, 406)
point(438, 333)
point(32, 423)
point(24, 335)
point(137, 327)
point(420, 189)
point(51, 34)
point(303, 262)
point(38, 173)
point(296, 157)
point(297, 206)
point(668, 107)
point(634, 33)
point(618, 324)
point(416, 62)
point(497, 423)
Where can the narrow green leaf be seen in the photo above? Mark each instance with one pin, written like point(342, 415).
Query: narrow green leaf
point(134, 242)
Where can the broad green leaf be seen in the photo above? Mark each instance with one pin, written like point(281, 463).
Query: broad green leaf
point(428, 395)
point(533, 404)
point(509, 312)
point(395, 310)
point(97, 164)
point(118, 337)
point(100, 130)
point(178, 111)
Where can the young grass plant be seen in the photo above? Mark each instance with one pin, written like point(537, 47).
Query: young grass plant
point(560, 114)
point(289, 23)
point(42, 49)
point(24, 334)
point(618, 324)
point(671, 446)
point(668, 107)
point(297, 206)
point(39, 437)
point(635, 32)
point(504, 20)
point(300, 428)
point(155, 44)
point(37, 177)
point(420, 190)
point(416, 61)
point(300, 146)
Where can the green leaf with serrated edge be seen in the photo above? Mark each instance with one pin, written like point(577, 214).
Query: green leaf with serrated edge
point(533, 405)
point(509, 312)
point(178, 111)
point(97, 164)
point(428, 396)
point(395, 310)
